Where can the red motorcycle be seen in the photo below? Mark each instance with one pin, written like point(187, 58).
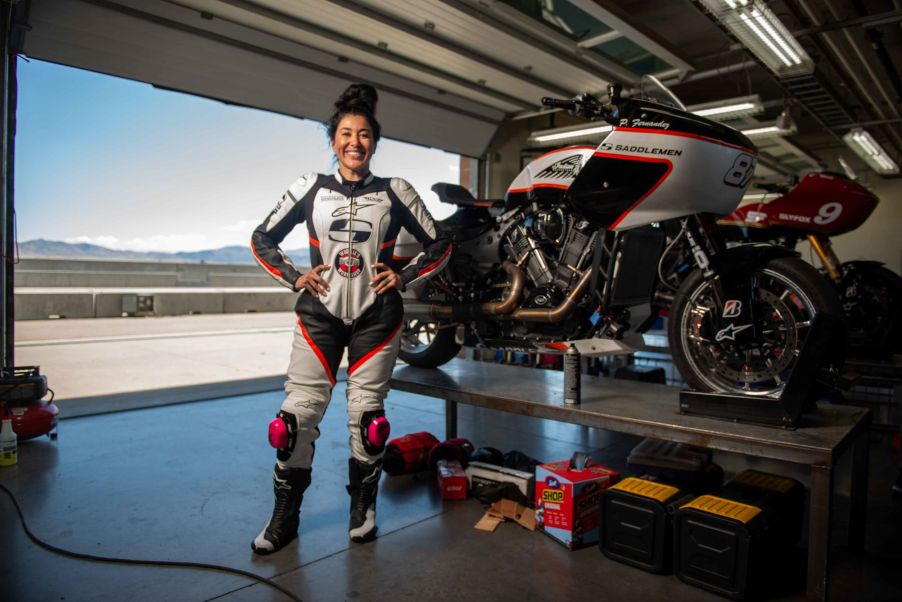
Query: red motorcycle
point(822, 205)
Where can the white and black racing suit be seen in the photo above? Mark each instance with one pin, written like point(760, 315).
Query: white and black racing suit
point(352, 225)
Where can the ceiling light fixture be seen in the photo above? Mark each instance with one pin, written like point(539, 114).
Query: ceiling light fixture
point(568, 133)
point(773, 129)
point(762, 32)
point(729, 108)
point(867, 148)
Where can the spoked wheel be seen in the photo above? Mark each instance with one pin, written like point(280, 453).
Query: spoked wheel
point(789, 293)
point(427, 344)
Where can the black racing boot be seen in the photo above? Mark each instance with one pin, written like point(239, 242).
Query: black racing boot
point(364, 484)
point(288, 485)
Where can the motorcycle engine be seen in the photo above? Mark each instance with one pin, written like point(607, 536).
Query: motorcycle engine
point(544, 297)
point(552, 245)
point(549, 226)
point(523, 248)
point(554, 249)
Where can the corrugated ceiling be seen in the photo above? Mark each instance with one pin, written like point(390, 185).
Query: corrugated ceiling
point(450, 71)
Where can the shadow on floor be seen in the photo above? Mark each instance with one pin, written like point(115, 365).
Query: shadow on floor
point(192, 482)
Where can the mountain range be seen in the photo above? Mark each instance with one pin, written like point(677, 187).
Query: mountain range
point(234, 254)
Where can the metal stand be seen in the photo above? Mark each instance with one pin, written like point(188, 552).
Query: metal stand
point(649, 410)
point(797, 395)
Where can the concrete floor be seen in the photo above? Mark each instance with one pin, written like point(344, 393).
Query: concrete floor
point(191, 482)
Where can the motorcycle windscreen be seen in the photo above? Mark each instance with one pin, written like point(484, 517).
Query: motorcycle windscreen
point(641, 176)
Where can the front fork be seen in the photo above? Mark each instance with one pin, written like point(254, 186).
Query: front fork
point(707, 244)
point(824, 250)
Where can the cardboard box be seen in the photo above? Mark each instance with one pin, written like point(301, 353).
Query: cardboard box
point(568, 501)
point(507, 510)
point(452, 480)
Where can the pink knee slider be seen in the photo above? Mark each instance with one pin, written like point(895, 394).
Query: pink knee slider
point(278, 433)
point(377, 431)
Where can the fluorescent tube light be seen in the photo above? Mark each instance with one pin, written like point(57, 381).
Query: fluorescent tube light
point(566, 133)
point(761, 31)
point(770, 130)
point(729, 108)
point(867, 148)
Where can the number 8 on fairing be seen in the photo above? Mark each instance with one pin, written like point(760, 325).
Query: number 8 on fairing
point(741, 171)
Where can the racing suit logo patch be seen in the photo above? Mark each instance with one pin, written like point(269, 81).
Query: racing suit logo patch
point(349, 263)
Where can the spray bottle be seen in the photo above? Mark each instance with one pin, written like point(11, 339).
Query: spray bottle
point(8, 440)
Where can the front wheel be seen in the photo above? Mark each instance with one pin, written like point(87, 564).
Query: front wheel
point(427, 344)
point(787, 292)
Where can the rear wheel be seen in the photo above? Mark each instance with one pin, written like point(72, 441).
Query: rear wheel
point(871, 299)
point(428, 344)
point(789, 293)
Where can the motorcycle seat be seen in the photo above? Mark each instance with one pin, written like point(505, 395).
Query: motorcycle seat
point(455, 194)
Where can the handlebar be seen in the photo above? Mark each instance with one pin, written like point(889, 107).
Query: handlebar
point(587, 106)
point(558, 103)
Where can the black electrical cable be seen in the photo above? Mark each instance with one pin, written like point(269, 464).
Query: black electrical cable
point(165, 563)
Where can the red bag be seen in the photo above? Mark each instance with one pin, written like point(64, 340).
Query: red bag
point(408, 454)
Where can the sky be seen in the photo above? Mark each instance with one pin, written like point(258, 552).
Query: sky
point(122, 164)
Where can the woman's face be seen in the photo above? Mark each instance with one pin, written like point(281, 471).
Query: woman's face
point(354, 146)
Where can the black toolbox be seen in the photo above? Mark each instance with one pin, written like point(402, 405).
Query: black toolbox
point(686, 466)
point(739, 541)
point(636, 523)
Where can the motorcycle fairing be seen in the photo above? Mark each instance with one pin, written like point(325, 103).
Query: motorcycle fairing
point(705, 175)
point(822, 203)
point(551, 173)
point(625, 182)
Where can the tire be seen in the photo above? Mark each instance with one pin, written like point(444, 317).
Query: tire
point(871, 297)
point(428, 344)
point(789, 294)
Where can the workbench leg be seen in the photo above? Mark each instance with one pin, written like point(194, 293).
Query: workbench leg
point(858, 495)
point(450, 419)
point(819, 532)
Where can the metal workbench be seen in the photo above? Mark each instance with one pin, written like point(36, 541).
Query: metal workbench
point(649, 410)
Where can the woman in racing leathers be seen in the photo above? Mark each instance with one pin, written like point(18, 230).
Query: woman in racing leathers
point(349, 300)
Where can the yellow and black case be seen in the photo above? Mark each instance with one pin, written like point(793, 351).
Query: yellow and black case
point(737, 541)
point(636, 523)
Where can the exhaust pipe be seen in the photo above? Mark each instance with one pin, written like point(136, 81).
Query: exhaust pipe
point(503, 309)
point(468, 311)
point(556, 314)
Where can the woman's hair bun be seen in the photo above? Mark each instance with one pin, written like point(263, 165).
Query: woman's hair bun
point(357, 97)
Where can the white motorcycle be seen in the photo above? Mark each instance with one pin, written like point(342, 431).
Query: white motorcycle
point(573, 254)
